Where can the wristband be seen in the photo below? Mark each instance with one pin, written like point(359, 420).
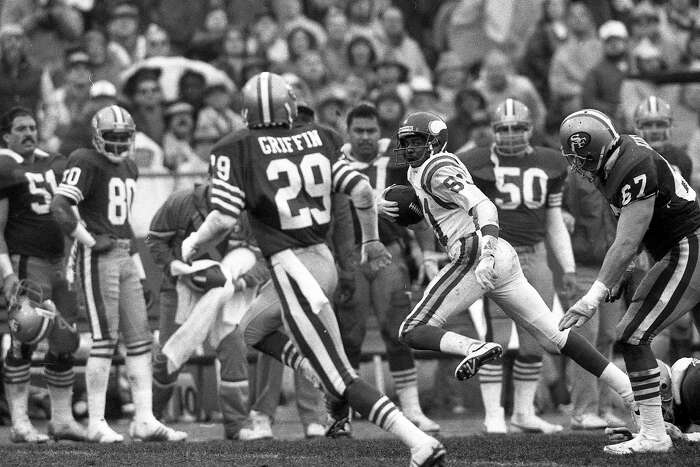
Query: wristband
point(598, 293)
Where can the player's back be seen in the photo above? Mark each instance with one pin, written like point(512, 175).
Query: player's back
point(284, 177)
point(31, 230)
point(103, 190)
point(640, 172)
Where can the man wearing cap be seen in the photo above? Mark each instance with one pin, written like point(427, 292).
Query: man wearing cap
point(601, 87)
point(123, 28)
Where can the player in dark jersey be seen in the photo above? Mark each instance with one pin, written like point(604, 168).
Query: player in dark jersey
point(659, 211)
point(284, 176)
point(32, 248)
point(101, 183)
point(525, 183)
point(388, 293)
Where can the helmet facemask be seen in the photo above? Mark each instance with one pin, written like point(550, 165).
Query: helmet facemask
point(410, 151)
point(512, 138)
point(115, 145)
point(656, 132)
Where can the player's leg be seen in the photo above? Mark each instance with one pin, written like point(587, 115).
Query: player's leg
point(665, 293)
point(266, 387)
point(59, 361)
point(135, 331)
point(391, 296)
point(163, 380)
point(303, 281)
point(309, 401)
point(233, 382)
point(99, 276)
point(453, 290)
point(352, 318)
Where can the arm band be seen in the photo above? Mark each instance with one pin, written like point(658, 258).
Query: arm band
point(490, 229)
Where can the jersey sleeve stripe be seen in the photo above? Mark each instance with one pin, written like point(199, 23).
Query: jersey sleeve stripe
point(554, 200)
point(432, 165)
point(71, 192)
point(226, 208)
point(351, 183)
point(217, 193)
point(234, 190)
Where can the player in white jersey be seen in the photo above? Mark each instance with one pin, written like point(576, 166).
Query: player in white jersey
point(466, 225)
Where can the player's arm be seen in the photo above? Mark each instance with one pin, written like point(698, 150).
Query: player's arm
point(161, 232)
point(9, 278)
point(63, 212)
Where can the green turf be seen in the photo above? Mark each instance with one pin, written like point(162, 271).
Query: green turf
point(475, 450)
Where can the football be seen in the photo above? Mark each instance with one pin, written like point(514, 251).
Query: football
point(410, 211)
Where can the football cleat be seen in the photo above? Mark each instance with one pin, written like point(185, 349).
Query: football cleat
point(588, 421)
point(103, 434)
point(533, 424)
point(640, 444)
point(431, 454)
point(477, 357)
point(154, 431)
point(314, 430)
point(339, 427)
point(495, 425)
point(260, 428)
point(26, 433)
point(71, 431)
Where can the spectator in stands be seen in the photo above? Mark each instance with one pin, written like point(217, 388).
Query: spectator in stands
point(179, 19)
point(601, 87)
point(334, 52)
point(399, 45)
point(451, 76)
point(215, 120)
point(50, 27)
point(157, 42)
point(146, 97)
point(79, 133)
point(362, 58)
point(22, 83)
point(289, 16)
point(233, 56)
point(106, 63)
point(67, 104)
point(362, 19)
point(480, 133)
point(123, 31)
point(391, 110)
point(299, 41)
point(299, 86)
point(646, 25)
point(468, 104)
point(179, 156)
point(208, 40)
point(551, 32)
point(678, 18)
point(269, 41)
point(356, 88)
point(391, 75)
point(191, 88)
point(424, 98)
point(498, 82)
point(572, 62)
point(469, 23)
point(313, 71)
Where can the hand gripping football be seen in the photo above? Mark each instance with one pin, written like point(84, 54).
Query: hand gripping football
point(410, 211)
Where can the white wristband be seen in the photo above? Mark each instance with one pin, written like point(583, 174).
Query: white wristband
point(597, 293)
point(83, 236)
point(5, 265)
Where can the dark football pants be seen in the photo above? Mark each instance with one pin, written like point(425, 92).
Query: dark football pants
point(233, 371)
point(388, 295)
point(50, 276)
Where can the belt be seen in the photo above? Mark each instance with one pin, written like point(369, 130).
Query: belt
point(122, 243)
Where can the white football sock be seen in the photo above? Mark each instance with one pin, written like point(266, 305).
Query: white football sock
point(96, 379)
point(61, 403)
point(651, 418)
point(18, 401)
point(406, 431)
point(409, 401)
point(618, 381)
point(457, 344)
point(138, 369)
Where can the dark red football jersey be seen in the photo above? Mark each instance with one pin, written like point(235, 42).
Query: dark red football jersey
point(522, 188)
point(31, 229)
point(284, 177)
point(103, 191)
point(639, 172)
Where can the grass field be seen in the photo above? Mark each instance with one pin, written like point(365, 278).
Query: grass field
point(522, 449)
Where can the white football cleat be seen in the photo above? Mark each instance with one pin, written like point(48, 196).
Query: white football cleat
point(154, 431)
point(495, 425)
point(26, 433)
point(71, 431)
point(588, 421)
point(260, 428)
point(315, 430)
point(431, 454)
point(475, 358)
point(640, 444)
point(103, 433)
point(423, 423)
point(533, 424)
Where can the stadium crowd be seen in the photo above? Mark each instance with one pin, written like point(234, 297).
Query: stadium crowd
point(178, 68)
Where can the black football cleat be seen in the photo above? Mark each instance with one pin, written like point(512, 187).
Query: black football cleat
point(477, 357)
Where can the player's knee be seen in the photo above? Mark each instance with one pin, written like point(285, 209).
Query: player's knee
point(19, 357)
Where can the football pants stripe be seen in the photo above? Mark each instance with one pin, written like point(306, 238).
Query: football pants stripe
point(93, 295)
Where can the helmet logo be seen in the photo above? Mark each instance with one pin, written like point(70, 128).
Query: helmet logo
point(579, 140)
point(436, 126)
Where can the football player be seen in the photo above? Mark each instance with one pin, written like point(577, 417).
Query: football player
point(32, 248)
point(466, 225)
point(658, 210)
point(284, 176)
point(525, 183)
point(388, 293)
point(101, 182)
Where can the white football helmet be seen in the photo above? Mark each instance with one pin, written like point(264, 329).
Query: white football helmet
point(113, 133)
point(652, 121)
point(512, 128)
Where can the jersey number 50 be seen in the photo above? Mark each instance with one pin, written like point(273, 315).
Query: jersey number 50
point(310, 178)
point(529, 188)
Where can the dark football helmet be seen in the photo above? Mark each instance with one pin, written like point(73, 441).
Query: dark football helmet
point(512, 128)
point(30, 317)
point(268, 101)
point(433, 133)
point(113, 132)
point(652, 121)
point(588, 137)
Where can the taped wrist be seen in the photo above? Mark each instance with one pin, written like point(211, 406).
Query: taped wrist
point(597, 294)
point(488, 247)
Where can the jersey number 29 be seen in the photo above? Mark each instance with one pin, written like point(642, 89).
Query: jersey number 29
point(310, 178)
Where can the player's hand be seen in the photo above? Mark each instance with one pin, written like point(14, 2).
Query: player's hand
point(569, 221)
point(485, 273)
point(346, 286)
point(257, 275)
point(387, 209)
point(568, 286)
point(189, 248)
point(178, 267)
point(9, 287)
point(578, 314)
point(375, 254)
point(103, 243)
point(147, 294)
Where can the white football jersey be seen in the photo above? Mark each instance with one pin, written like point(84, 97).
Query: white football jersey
point(447, 195)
